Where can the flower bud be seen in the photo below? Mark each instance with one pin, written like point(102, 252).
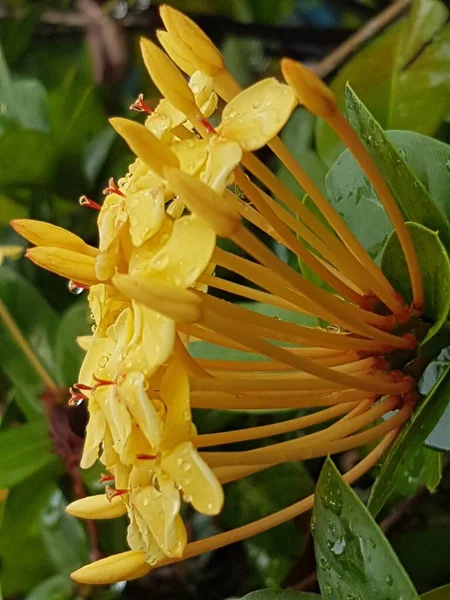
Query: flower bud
point(156, 155)
point(40, 233)
point(97, 507)
point(67, 263)
point(187, 45)
point(310, 90)
point(118, 567)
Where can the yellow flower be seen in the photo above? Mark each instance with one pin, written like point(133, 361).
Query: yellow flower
point(149, 280)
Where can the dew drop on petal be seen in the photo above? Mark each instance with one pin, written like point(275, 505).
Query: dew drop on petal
point(74, 288)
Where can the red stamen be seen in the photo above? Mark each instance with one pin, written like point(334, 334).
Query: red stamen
point(104, 477)
point(80, 285)
point(368, 302)
point(140, 105)
point(207, 125)
point(76, 397)
point(85, 201)
point(112, 492)
point(146, 456)
point(101, 382)
point(113, 188)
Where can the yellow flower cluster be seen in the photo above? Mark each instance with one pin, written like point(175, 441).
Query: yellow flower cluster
point(148, 283)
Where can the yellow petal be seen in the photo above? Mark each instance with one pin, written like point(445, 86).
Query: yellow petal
point(174, 391)
point(121, 476)
point(95, 360)
point(223, 157)
point(10, 251)
point(205, 97)
point(168, 79)
point(143, 254)
point(191, 153)
point(180, 305)
point(257, 114)
point(40, 233)
point(110, 220)
point(158, 336)
point(139, 537)
point(176, 51)
point(191, 43)
point(145, 145)
point(186, 254)
point(117, 416)
point(97, 507)
point(141, 408)
point(204, 202)
point(146, 213)
point(85, 341)
point(95, 431)
point(109, 456)
point(160, 507)
point(119, 567)
point(165, 110)
point(199, 484)
point(67, 263)
point(309, 89)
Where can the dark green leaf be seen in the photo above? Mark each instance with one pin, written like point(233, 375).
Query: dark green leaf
point(433, 468)
point(280, 595)
point(38, 324)
point(414, 434)
point(64, 536)
point(23, 559)
point(69, 356)
point(411, 64)
point(258, 495)
point(54, 588)
point(442, 593)
point(354, 559)
point(435, 268)
point(25, 450)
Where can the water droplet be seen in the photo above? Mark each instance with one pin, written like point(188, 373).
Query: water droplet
point(74, 288)
point(333, 500)
point(187, 498)
point(256, 103)
point(103, 361)
point(159, 263)
point(186, 467)
point(152, 561)
point(324, 564)
point(389, 580)
point(447, 164)
point(338, 547)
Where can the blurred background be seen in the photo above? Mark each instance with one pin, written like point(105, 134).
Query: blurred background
point(65, 67)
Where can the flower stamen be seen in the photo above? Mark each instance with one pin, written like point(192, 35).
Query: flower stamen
point(140, 105)
point(85, 201)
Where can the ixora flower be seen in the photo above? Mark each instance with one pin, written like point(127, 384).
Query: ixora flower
point(148, 291)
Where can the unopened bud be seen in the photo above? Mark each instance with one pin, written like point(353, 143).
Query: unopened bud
point(309, 89)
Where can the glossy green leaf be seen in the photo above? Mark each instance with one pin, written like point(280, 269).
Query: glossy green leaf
point(442, 593)
point(25, 450)
point(57, 587)
point(38, 324)
point(354, 559)
point(64, 536)
point(411, 62)
point(435, 269)
point(417, 172)
point(413, 434)
point(280, 595)
point(69, 356)
point(260, 495)
point(417, 205)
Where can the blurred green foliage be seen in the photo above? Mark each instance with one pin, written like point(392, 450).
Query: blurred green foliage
point(55, 145)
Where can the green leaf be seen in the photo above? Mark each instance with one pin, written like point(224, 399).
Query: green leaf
point(6, 91)
point(31, 104)
point(442, 593)
point(258, 495)
point(23, 559)
point(417, 205)
point(64, 536)
point(413, 435)
point(411, 62)
point(280, 595)
point(69, 356)
point(57, 587)
point(25, 450)
point(354, 559)
point(433, 468)
point(439, 438)
point(415, 167)
point(38, 324)
point(33, 153)
point(435, 268)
